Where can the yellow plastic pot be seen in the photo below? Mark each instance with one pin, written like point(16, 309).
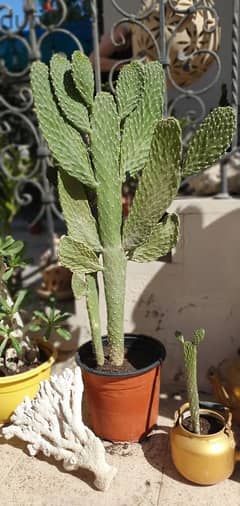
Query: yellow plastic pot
point(13, 389)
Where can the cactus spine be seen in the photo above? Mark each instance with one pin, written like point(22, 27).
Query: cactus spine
point(97, 141)
point(190, 365)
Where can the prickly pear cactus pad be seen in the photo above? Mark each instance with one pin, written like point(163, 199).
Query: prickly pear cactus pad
point(98, 141)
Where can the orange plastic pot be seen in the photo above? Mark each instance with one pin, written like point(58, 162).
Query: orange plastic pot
point(123, 406)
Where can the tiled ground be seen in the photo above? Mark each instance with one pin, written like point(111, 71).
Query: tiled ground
point(146, 476)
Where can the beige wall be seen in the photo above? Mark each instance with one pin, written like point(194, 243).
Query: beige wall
point(200, 288)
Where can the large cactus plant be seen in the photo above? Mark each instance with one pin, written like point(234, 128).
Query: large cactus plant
point(190, 365)
point(98, 141)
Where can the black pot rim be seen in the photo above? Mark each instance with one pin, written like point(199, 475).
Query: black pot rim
point(127, 339)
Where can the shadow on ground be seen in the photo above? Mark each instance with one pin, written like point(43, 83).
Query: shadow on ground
point(82, 474)
point(157, 452)
point(156, 449)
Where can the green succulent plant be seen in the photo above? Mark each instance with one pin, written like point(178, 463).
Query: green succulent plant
point(190, 366)
point(16, 162)
point(14, 332)
point(98, 141)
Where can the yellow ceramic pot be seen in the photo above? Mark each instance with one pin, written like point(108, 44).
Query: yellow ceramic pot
point(14, 388)
point(205, 460)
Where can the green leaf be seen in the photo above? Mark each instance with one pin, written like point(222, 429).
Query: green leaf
point(80, 222)
point(77, 256)
point(16, 261)
point(15, 248)
point(139, 126)
point(5, 305)
point(67, 96)
point(64, 142)
point(105, 147)
point(162, 239)
point(61, 317)
point(158, 184)
point(20, 297)
point(5, 242)
point(35, 327)
point(210, 141)
point(10, 247)
point(83, 77)
point(65, 334)
point(129, 88)
point(41, 316)
point(3, 328)
point(79, 286)
point(3, 345)
point(7, 274)
point(3, 315)
point(16, 344)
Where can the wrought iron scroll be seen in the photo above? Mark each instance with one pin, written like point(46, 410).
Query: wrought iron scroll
point(191, 98)
point(18, 126)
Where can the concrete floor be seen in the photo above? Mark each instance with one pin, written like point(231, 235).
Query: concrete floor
point(146, 476)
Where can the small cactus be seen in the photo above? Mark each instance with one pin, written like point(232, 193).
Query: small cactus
point(97, 142)
point(190, 365)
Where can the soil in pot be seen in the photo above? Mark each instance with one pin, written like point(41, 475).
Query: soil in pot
point(208, 425)
point(142, 353)
point(32, 359)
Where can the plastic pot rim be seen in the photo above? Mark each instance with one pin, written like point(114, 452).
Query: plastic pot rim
point(127, 339)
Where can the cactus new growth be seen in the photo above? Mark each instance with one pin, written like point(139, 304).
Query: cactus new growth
point(97, 142)
point(190, 365)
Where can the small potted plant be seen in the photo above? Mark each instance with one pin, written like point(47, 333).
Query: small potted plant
point(24, 361)
point(202, 442)
point(98, 142)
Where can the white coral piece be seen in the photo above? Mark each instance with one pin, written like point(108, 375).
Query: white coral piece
point(52, 423)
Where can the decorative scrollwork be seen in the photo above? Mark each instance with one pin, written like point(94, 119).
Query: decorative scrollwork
point(54, 19)
point(192, 38)
point(185, 36)
point(21, 101)
point(150, 6)
point(50, 33)
point(24, 160)
point(23, 137)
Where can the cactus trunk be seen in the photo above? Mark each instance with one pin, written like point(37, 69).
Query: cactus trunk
point(114, 282)
point(114, 264)
point(190, 359)
point(94, 317)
